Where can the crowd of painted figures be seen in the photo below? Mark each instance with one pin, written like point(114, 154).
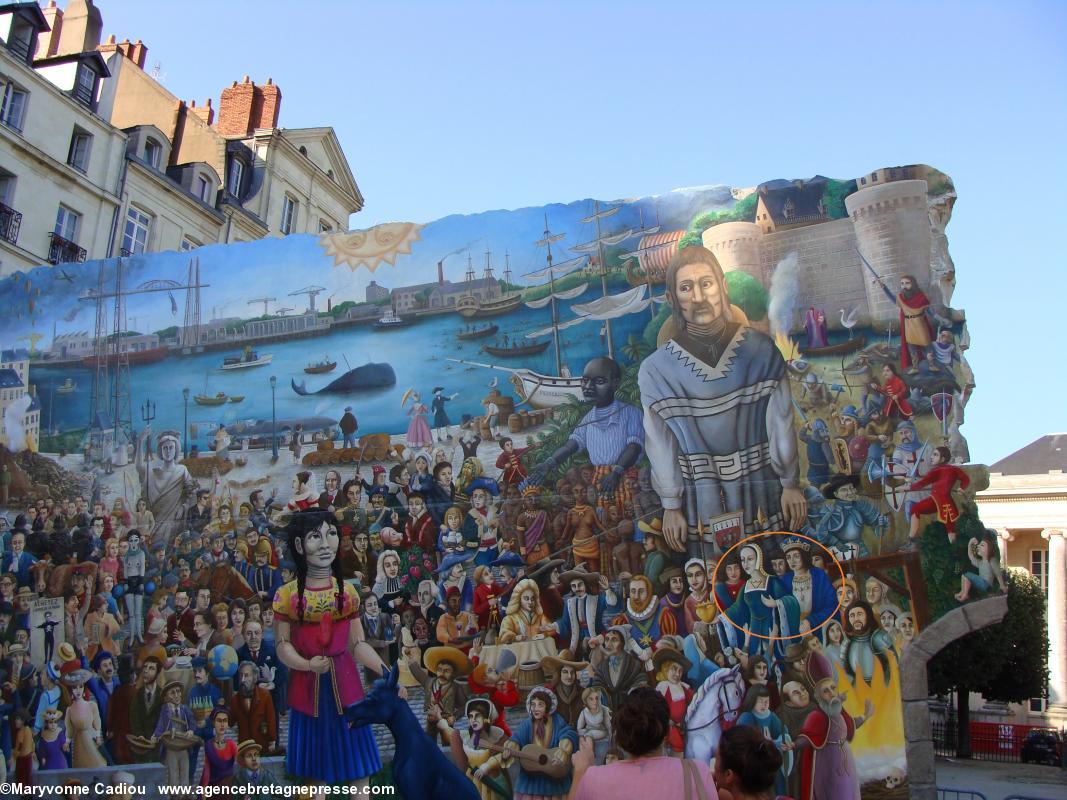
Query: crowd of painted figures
point(554, 582)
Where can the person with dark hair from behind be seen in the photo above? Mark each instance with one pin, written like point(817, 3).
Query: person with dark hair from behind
point(641, 723)
point(746, 765)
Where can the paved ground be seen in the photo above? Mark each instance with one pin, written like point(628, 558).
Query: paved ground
point(998, 781)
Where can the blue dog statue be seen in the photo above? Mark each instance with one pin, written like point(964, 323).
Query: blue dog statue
point(421, 771)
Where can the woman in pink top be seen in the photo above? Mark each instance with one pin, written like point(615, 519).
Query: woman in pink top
point(641, 725)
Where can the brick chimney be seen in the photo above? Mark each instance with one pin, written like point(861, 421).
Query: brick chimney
point(204, 112)
point(48, 42)
point(245, 106)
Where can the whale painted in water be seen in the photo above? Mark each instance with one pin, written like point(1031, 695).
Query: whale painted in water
point(369, 376)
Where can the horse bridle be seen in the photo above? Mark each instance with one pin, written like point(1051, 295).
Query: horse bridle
point(727, 709)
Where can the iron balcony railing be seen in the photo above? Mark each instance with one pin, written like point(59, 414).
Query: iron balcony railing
point(63, 251)
point(10, 222)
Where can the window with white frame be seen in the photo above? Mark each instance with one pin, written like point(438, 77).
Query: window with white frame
point(288, 214)
point(203, 189)
point(1038, 705)
point(13, 110)
point(135, 234)
point(233, 179)
point(67, 223)
point(78, 157)
point(85, 84)
point(153, 152)
point(1039, 567)
point(189, 243)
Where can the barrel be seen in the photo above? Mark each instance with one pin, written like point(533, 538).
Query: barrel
point(530, 675)
point(515, 423)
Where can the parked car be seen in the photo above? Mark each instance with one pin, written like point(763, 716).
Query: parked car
point(1042, 747)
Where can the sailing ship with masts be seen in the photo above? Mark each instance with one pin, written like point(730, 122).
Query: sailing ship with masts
point(472, 307)
point(546, 391)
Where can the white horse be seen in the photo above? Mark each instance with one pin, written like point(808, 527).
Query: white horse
point(717, 701)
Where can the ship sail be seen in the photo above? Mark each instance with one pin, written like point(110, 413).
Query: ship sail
point(566, 294)
point(558, 270)
point(615, 238)
point(553, 328)
point(613, 306)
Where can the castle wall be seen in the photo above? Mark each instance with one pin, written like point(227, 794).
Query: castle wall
point(892, 227)
point(830, 271)
point(737, 247)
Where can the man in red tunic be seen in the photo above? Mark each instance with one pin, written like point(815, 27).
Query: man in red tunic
point(941, 480)
point(419, 529)
point(916, 332)
point(896, 394)
point(510, 460)
point(827, 768)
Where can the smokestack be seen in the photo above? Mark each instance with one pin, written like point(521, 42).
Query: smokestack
point(441, 272)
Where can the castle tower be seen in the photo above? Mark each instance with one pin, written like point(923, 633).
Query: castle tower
point(892, 229)
point(737, 247)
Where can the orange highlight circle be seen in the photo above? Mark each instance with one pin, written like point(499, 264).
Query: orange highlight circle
point(790, 534)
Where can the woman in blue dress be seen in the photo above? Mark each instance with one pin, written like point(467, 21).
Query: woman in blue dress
point(764, 609)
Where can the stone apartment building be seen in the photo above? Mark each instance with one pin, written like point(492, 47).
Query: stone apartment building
point(140, 169)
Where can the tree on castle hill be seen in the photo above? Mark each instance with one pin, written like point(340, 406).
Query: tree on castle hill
point(748, 294)
point(1006, 662)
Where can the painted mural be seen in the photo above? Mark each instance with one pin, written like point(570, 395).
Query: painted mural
point(706, 442)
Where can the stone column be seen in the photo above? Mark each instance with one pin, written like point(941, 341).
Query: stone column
point(1003, 537)
point(1057, 618)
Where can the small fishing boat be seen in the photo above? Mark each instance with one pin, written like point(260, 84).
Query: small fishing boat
point(321, 367)
point(237, 398)
point(249, 358)
point(204, 400)
point(517, 352)
point(478, 333)
point(67, 387)
point(839, 349)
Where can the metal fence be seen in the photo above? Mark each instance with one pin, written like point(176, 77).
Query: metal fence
point(989, 742)
point(959, 794)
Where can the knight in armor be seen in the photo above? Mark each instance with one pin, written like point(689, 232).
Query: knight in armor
point(867, 642)
point(838, 516)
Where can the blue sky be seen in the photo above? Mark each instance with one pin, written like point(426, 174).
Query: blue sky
point(461, 107)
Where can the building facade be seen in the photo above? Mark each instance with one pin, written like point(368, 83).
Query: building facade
point(20, 412)
point(1026, 503)
point(98, 159)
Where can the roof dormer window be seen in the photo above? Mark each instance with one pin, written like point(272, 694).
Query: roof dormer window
point(85, 85)
point(789, 210)
point(153, 152)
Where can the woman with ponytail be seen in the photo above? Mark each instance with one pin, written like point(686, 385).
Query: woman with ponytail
point(747, 764)
point(320, 639)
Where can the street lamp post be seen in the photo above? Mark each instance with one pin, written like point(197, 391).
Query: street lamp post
point(185, 423)
point(273, 422)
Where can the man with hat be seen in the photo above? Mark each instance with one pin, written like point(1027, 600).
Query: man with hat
point(615, 670)
point(610, 433)
point(445, 698)
point(827, 768)
point(561, 674)
point(21, 672)
point(670, 665)
point(440, 415)
point(249, 771)
point(175, 728)
point(546, 728)
point(348, 427)
point(23, 604)
point(546, 573)
point(840, 524)
point(793, 665)
point(672, 582)
point(656, 550)
point(261, 576)
point(583, 612)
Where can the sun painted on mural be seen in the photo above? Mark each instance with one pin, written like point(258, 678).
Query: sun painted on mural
point(707, 441)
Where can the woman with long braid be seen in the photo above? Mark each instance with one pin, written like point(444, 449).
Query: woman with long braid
point(320, 639)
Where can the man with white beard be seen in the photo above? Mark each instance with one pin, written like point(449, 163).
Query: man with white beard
point(827, 768)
